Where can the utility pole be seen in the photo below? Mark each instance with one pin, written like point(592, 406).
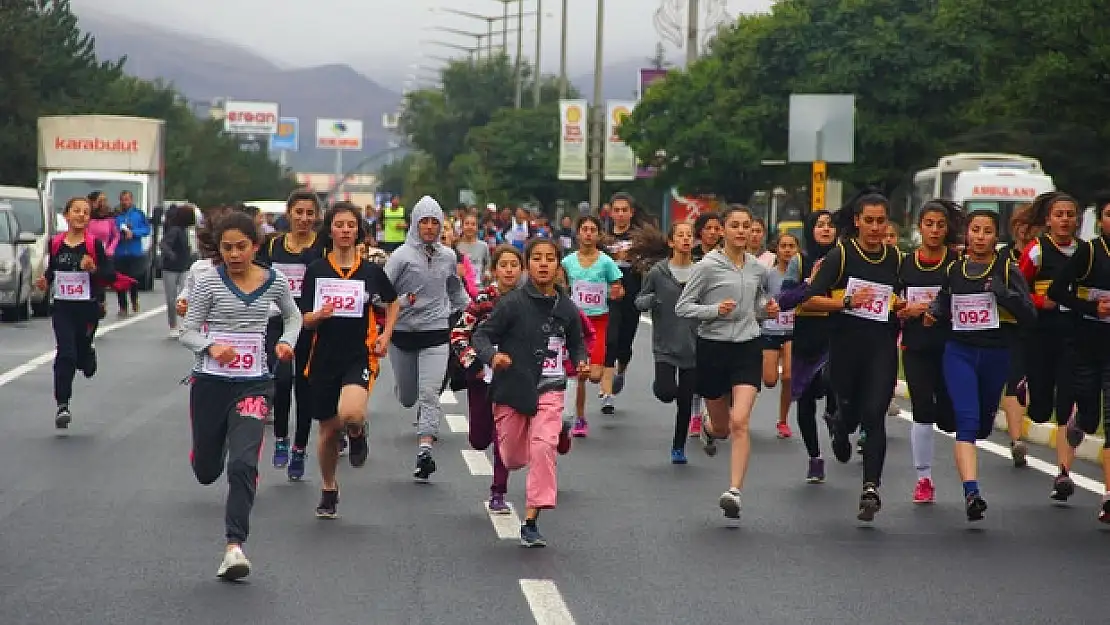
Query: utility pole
point(563, 55)
point(598, 113)
point(539, 42)
point(519, 52)
point(692, 33)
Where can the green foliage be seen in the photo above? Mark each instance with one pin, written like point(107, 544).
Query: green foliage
point(930, 78)
point(49, 67)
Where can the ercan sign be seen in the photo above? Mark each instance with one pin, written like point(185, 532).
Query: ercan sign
point(251, 118)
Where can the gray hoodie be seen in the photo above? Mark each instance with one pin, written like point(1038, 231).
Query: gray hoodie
point(428, 270)
point(714, 279)
point(673, 338)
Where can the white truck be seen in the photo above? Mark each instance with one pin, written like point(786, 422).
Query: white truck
point(1000, 190)
point(79, 154)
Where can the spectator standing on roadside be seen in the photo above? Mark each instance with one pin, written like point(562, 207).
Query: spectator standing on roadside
point(177, 257)
point(133, 228)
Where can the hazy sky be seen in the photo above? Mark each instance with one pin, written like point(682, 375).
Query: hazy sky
point(384, 37)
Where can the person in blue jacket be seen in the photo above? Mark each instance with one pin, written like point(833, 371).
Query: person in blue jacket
point(133, 227)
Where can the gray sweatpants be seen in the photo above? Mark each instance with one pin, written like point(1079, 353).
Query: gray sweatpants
point(418, 376)
point(173, 282)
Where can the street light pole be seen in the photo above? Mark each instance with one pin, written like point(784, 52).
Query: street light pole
point(539, 42)
point(692, 33)
point(563, 55)
point(519, 51)
point(598, 112)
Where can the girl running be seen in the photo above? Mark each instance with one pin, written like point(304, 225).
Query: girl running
point(290, 254)
point(673, 338)
point(78, 268)
point(707, 233)
point(982, 296)
point(624, 319)
point(778, 330)
point(856, 281)
point(342, 362)
point(727, 294)
point(595, 281)
point(176, 258)
point(923, 347)
point(1022, 233)
point(757, 244)
point(232, 390)
point(523, 341)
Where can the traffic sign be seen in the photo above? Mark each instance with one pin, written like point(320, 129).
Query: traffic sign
point(819, 185)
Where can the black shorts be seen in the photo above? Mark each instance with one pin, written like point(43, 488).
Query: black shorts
point(327, 387)
point(724, 364)
point(775, 342)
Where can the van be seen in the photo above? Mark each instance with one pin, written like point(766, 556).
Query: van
point(34, 217)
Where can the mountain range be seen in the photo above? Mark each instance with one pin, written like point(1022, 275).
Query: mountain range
point(203, 69)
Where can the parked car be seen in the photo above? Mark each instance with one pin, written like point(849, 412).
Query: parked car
point(34, 217)
point(15, 266)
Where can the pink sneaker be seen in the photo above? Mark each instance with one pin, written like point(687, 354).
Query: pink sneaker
point(783, 430)
point(695, 425)
point(581, 429)
point(924, 492)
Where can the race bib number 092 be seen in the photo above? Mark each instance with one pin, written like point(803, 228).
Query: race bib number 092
point(975, 311)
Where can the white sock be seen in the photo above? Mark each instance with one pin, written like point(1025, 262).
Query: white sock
point(921, 441)
point(569, 398)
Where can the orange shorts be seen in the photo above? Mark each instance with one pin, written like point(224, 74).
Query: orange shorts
point(597, 348)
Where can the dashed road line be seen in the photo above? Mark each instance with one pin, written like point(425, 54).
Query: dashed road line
point(457, 423)
point(546, 602)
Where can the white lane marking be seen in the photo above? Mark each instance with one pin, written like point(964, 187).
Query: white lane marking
point(546, 602)
point(1048, 468)
point(15, 373)
point(646, 319)
point(477, 462)
point(507, 526)
point(447, 397)
point(457, 423)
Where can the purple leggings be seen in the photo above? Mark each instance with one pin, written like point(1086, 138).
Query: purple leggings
point(483, 432)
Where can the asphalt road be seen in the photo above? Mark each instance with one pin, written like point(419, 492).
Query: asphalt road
point(105, 524)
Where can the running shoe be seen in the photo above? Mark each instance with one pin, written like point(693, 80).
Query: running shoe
point(893, 410)
point(359, 446)
point(695, 425)
point(607, 405)
point(235, 565)
point(678, 456)
point(581, 428)
point(329, 505)
point(497, 504)
point(841, 445)
point(281, 453)
point(783, 430)
point(1021, 393)
point(925, 491)
point(88, 367)
point(1062, 487)
point(1072, 431)
point(976, 506)
point(343, 444)
point(730, 503)
point(1018, 451)
point(425, 465)
point(869, 503)
point(618, 383)
point(175, 333)
point(295, 471)
point(63, 417)
point(815, 474)
point(1104, 509)
point(708, 443)
point(563, 446)
point(530, 536)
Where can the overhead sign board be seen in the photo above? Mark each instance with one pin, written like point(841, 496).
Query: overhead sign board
point(287, 138)
point(822, 127)
point(339, 134)
point(250, 118)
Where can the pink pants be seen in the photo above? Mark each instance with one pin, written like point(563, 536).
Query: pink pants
point(531, 441)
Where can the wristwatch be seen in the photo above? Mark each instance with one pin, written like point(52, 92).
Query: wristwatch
point(847, 302)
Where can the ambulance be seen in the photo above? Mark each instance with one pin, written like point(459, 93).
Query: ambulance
point(1000, 190)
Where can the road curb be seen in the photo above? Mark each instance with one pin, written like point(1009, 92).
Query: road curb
point(1039, 433)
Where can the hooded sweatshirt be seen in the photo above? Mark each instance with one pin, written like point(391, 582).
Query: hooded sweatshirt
point(673, 339)
point(714, 279)
point(430, 272)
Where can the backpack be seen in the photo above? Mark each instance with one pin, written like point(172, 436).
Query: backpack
point(119, 282)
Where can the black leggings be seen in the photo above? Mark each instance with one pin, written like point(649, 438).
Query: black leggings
point(131, 266)
point(74, 326)
point(676, 385)
point(863, 369)
point(1049, 362)
point(624, 319)
point(290, 383)
point(1092, 376)
point(806, 414)
point(928, 393)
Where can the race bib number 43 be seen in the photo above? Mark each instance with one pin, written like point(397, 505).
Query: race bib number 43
point(295, 275)
point(975, 311)
point(74, 286)
point(250, 356)
point(347, 297)
point(877, 309)
point(589, 294)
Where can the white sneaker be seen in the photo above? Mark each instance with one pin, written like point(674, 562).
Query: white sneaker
point(730, 504)
point(175, 333)
point(235, 565)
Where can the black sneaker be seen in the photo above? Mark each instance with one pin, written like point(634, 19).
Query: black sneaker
point(63, 417)
point(530, 536)
point(88, 367)
point(1018, 451)
point(841, 445)
point(329, 505)
point(976, 506)
point(1062, 487)
point(1073, 432)
point(869, 503)
point(359, 446)
point(425, 465)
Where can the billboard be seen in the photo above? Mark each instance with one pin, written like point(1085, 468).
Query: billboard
point(339, 134)
point(250, 118)
point(101, 142)
point(288, 135)
point(620, 161)
point(573, 152)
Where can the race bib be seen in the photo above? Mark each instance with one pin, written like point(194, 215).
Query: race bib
point(877, 309)
point(553, 365)
point(347, 297)
point(921, 294)
point(975, 311)
point(784, 322)
point(589, 294)
point(250, 356)
point(487, 371)
point(295, 274)
point(1094, 295)
point(72, 286)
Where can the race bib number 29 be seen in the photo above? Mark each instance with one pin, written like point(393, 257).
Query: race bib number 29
point(249, 358)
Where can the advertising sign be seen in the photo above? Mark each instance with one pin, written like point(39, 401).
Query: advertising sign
point(339, 134)
point(620, 161)
point(288, 135)
point(101, 142)
point(572, 140)
point(250, 118)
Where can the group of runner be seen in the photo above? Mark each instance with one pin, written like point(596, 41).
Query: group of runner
point(305, 316)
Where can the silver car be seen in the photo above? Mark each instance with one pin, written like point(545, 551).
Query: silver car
point(15, 267)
